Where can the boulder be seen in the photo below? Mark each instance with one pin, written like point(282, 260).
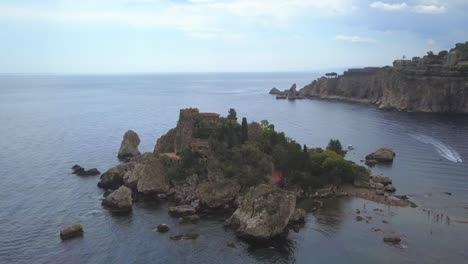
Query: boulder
point(72, 231)
point(119, 200)
point(80, 171)
point(218, 193)
point(298, 217)
point(113, 178)
point(380, 192)
point(382, 155)
point(377, 186)
point(382, 180)
point(274, 90)
point(181, 210)
point(129, 145)
point(390, 188)
point(263, 213)
point(371, 162)
point(131, 177)
point(152, 176)
point(392, 239)
point(162, 228)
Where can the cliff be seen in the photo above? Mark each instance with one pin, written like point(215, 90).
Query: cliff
point(434, 83)
point(402, 89)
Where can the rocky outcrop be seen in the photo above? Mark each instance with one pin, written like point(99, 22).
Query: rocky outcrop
point(151, 177)
point(381, 155)
point(166, 143)
point(421, 90)
point(274, 90)
point(162, 228)
point(80, 171)
point(384, 180)
point(263, 212)
point(72, 231)
point(113, 178)
point(219, 193)
point(181, 210)
point(393, 239)
point(131, 177)
point(119, 200)
point(129, 145)
point(298, 217)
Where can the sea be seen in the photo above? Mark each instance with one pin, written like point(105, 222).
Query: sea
point(50, 122)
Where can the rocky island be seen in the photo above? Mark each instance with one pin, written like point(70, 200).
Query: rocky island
point(251, 173)
point(434, 83)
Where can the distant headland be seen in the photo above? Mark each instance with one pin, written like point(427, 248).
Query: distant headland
point(434, 83)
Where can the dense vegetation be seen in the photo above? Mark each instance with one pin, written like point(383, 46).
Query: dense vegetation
point(249, 152)
point(463, 49)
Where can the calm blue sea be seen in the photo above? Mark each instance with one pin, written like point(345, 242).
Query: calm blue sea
point(49, 123)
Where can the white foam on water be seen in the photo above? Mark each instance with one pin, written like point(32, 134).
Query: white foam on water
point(445, 151)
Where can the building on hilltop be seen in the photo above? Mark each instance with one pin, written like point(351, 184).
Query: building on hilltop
point(210, 117)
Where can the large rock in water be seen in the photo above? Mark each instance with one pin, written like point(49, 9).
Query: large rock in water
point(72, 231)
point(131, 177)
point(218, 193)
point(382, 155)
point(181, 210)
point(113, 178)
point(152, 177)
point(119, 200)
point(263, 213)
point(274, 90)
point(129, 146)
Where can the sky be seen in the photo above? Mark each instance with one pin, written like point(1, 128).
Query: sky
point(145, 36)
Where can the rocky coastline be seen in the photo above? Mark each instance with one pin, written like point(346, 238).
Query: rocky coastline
point(435, 83)
point(210, 164)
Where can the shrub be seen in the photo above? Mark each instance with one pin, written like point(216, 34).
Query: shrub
point(248, 164)
point(190, 163)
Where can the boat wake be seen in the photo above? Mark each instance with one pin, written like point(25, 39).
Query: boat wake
point(445, 151)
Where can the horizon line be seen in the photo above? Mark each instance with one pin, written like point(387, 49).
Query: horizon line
point(181, 72)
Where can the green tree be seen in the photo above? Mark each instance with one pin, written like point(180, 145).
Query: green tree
point(331, 74)
point(335, 145)
point(232, 115)
point(244, 130)
point(304, 148)
point(442, 54)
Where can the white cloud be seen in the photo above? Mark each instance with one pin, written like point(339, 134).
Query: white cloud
point(197, 18)
point(389, 6)
point(354, 39)
point(429, 9)
point(423, 6)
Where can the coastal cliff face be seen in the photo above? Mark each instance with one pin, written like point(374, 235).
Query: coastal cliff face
point(390, 88)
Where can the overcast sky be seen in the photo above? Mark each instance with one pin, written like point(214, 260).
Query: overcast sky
point(130, 36)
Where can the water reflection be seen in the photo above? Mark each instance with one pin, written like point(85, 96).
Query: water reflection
point(280, 250)
point(327, 219)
